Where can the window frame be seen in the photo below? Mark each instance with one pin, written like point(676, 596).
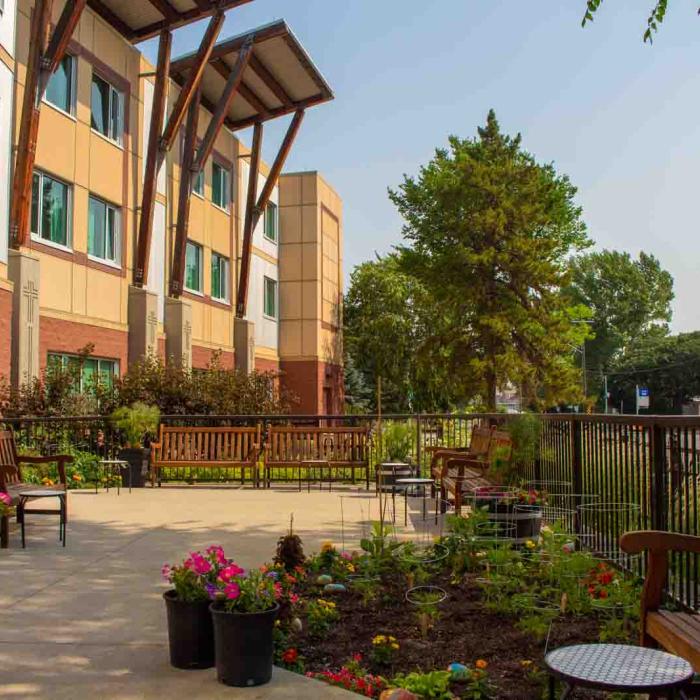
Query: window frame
point(66, 357)
point(276, 220)
point(70, 112)
point(117, 140)
point(37, 235)
point(275, 282)
point(195, 191)
point(223, 278)
point(200, 291)
point(117, 219)
point(228, 190)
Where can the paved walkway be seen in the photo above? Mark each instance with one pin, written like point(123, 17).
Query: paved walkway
point(89, 621)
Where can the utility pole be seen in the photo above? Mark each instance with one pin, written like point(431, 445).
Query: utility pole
point(605, 392)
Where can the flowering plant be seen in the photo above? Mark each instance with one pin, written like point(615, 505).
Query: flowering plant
point(6, 507)
point(196, 577)
point(292, 660)
point(321, 614)
point(384, 648)
point(353, 677)
point(240, 591)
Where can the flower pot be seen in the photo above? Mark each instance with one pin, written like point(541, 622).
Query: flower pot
point(137, 458)
point(244, 645)
point(190, 633)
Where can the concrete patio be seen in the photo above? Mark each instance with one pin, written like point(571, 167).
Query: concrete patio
point(89, 621)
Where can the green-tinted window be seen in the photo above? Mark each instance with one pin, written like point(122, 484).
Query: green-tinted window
point(219, 277)
point(103, 231)
point(107, 109)
point(270, 298)
point(271, 219)
point(93, 371)
point(198, 185)
point(193, 267)
point(60, 88)
point(220, 186)
point(50, 209)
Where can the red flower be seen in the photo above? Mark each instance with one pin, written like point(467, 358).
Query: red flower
point(605, 578)
point(290, 656)
point(602, 593)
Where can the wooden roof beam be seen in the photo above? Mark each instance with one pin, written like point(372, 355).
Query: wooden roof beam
point(108, 16)
point(270, 81)
point(166, 9)
point(246, 92)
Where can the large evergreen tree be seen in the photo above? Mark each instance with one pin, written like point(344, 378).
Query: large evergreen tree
point(488, 233)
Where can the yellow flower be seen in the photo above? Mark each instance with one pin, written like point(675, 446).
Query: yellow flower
point(526, 663)
point(351, 568)
point(481, 664)
point(327, 546)
point(395, 646)
point(530, 544)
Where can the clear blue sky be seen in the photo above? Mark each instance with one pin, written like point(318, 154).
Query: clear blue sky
point(621, 118)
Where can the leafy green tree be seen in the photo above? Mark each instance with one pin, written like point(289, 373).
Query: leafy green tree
point(668, 366)
point(629, 299)
point(488, 232)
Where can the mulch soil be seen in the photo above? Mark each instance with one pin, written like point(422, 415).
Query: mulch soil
point(464, 632)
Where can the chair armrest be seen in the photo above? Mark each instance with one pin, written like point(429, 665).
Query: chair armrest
point(7, 470)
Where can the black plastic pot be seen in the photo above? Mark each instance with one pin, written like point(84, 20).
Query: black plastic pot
point(137, 457)
point(190, 633)
point(244, 646)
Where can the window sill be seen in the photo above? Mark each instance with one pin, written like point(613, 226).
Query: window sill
point(270, 240)
point(193, 291)
point(221, 302)
point(199, 196)
point(114, 143)
point(105, 262)
point(58, 109)
point(270, 318)
point(51, 244)
point(226, 210)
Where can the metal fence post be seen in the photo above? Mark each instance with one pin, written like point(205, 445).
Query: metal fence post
point(418, 450)
point(577, 467)
point(659, 515)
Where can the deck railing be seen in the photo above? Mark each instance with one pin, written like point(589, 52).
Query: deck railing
point(645, 466)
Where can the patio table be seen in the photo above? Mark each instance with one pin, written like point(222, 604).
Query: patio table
point(408, 483)
point(115, 467)
point(617, 667)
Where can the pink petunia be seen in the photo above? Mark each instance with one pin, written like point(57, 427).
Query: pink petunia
point(294, 598)
point(230, 572)
point(5, 498)
point(278, 590)
point(201, 566)
point(166, 571)
point(232, 591)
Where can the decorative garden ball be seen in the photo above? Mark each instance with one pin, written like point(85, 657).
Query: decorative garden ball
point(398, 694)
point(296, 625)
point(324, 579)
point(457, 670)
point(334, 588)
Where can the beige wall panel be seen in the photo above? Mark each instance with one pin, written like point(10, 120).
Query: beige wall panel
point(310, 300)
point(80, 291)
point(311, 262)
point(195, 230)
point(290, 262)
point(21, 44)
point(104, 299)
point(85, 29)
point(309, 222)
point(309, 188)
point(290, 300)
point(82, 107)
point(290, 190)
point(221, 326)
point(198, 320)
point(112, 50)
point(128, 236)
point(82, 163)
point(56, 283)
point(80, 219)
point(330, 347)
point(220, 237)
point(56, 144)
point(106, 169)
point(309, 338)
point(290, 225)
point(290, 338)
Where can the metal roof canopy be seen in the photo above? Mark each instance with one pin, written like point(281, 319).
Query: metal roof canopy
point(279, 78)
point(142, 19)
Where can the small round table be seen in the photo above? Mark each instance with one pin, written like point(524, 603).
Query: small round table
point(62, 512)
point(115, 467)
point(413, 482)
point(617, 667)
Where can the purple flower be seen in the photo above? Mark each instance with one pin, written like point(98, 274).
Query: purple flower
point(212, 590)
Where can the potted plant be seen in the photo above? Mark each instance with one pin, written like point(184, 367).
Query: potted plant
point(136, 422)
point(244, 611)
point(518, 509)
point(190, 629)
point(397, 440)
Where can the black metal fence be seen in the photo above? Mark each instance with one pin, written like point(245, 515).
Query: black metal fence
point(620, 472)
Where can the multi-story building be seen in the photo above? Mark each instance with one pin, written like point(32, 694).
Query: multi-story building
point(78, 278)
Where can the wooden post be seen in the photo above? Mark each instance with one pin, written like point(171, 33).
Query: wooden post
point(150, 180)
point(185, 195)
point(275, 170)
point(29, 126)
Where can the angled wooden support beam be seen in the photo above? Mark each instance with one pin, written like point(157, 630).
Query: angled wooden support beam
point(166, 9)
point(248, 226)
point(192, 84)
point(29, 126)
point(270, 183)
point(150, 178)
point(177, 269)
point(222, 108)
point(61, 37)
point(270, 81)
point(112, 19)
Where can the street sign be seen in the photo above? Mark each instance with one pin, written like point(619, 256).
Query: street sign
point(642, 397)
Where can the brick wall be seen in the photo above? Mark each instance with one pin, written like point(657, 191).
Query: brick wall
point(264, 365)
point(317, 386)
point(5, 331)
point(201, 357)
point(56, 335)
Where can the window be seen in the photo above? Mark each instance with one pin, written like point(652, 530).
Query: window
point(50, 210)
point(93, 371)
point(61, 87)
point(270, 298)
point(104, 224)
point(220, 186)
point(198, 185)
point(107, 109)
point(271, 220)
point(193, 267)
point(219, 277)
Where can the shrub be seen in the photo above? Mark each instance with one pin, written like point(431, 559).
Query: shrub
point(136, 422)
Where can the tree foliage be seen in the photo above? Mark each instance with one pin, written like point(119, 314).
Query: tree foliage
point(488, 233)
point(630, 299)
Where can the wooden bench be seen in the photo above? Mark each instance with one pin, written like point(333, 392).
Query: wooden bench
point(207, 447)
point(11, 480)
point(461, 473)
point(677, 632)
point(479, 443)
point(342, 448)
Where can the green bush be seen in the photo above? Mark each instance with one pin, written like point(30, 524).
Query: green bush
point(136, 421)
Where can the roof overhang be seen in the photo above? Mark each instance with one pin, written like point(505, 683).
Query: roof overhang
point(279, 78)
point(142, 19)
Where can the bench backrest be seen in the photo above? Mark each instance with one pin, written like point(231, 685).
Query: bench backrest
point(480, 441)
point(501, 447)
point(287, 444)
point(10, 473)
point(206, 444)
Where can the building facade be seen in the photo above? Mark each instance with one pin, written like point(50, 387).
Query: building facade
point(71, 283)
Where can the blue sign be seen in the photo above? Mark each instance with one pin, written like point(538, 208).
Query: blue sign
point(643, 391)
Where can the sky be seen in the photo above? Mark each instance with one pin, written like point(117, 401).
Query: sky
point(619, 117)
